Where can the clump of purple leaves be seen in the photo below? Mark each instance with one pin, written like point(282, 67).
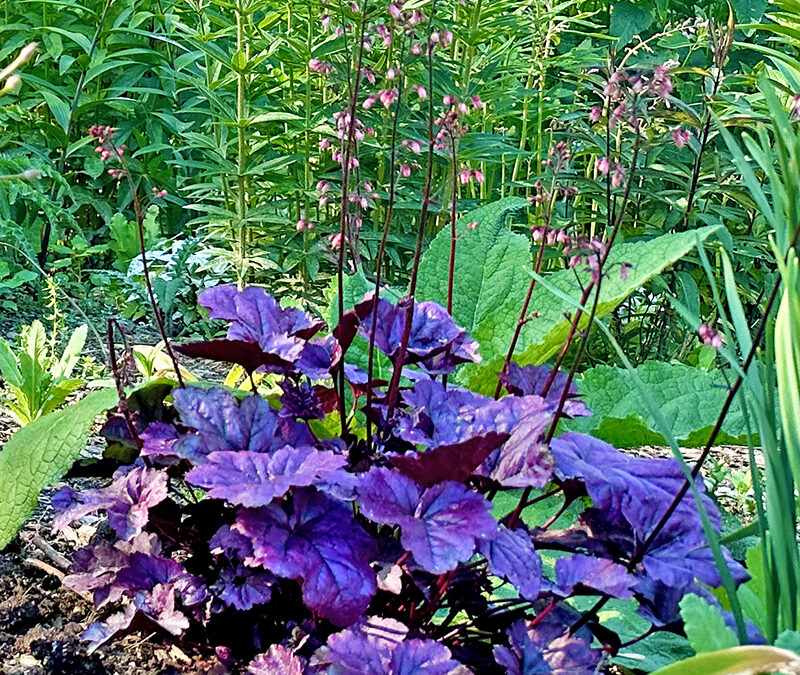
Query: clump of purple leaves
point(247, 526)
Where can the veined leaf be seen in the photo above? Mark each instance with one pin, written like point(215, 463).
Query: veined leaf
point(689, 398)
point(705, 627)
point(40, 453)
point(491, 281)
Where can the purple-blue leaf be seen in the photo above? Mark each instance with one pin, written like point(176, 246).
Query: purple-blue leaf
point(254, 315)
point(440, 525)
point(511, 555)
point(219, 424)
point(127, 501)
point(599, 574)
point(100, 632)
point(435, 342)
point(278, 660)
point(378, 647)
point(633, 488)
point(459, 420)
point(243, 587)
point(256, 478)
point(530, 381)
point(363, 649)
point(546, 648)
point(629, 496)
point(422, 657)
point(318, 541)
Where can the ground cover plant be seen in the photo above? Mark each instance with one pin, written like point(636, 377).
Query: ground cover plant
point(396, 300)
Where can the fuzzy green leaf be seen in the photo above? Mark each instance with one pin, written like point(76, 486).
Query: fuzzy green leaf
point(40, 453)
point(689, 398)
point(490, 278)
point(629, 19)
point(541, 337)
point(705, 628)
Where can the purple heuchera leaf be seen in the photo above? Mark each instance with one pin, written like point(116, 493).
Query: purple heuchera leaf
point(530, 380)
point(159, 605)
point(127, 501)
point(284, 335)
point(220, 424)
point(422, 657)
point(158, 439)
point(524, 460)
point(363, 649)
point(318, 357)
point(511, 555)
point(454, 418)
point(279, 660)
point(632, 488)
point(243, 587)
point(134, 569)
point(599, 574)
point(629, 496)
point(546, 648)
point(436, 344)
point(318, 541)
point(100, 632)
point(440, 525)
point(378, 647)
point(95, 568)
point(254, 314)
point(255, 478)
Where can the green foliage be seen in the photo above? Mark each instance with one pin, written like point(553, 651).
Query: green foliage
point(41, 453)
point(654, 651)
point(751, 660)
point(789, 639)
point(38, 378)
point(124, 236)
point(629, 19)
point(11, 282)
point(705, 628)
point(689, 398)
point(491, 284)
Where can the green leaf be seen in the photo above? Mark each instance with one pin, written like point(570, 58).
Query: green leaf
point(9, 366)
point(789, 639)
point(753, 593)
point(689, 398)
point(629, 19)
point(750, 660)
point(59, 108)
point(72, 352)
point(748, 11)
point(705, 628)
point(489, 267)
point(655, 651)
point(541, 337)
point(490, 277)
point(42, 452)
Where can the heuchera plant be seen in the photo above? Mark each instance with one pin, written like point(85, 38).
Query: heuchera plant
point(245, 526)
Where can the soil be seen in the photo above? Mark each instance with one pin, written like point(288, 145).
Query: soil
point(41, 620)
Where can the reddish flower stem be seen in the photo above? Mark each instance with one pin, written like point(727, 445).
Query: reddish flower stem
point(394, 384)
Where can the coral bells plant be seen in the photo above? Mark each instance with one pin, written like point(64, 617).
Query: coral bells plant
point(247, 526)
